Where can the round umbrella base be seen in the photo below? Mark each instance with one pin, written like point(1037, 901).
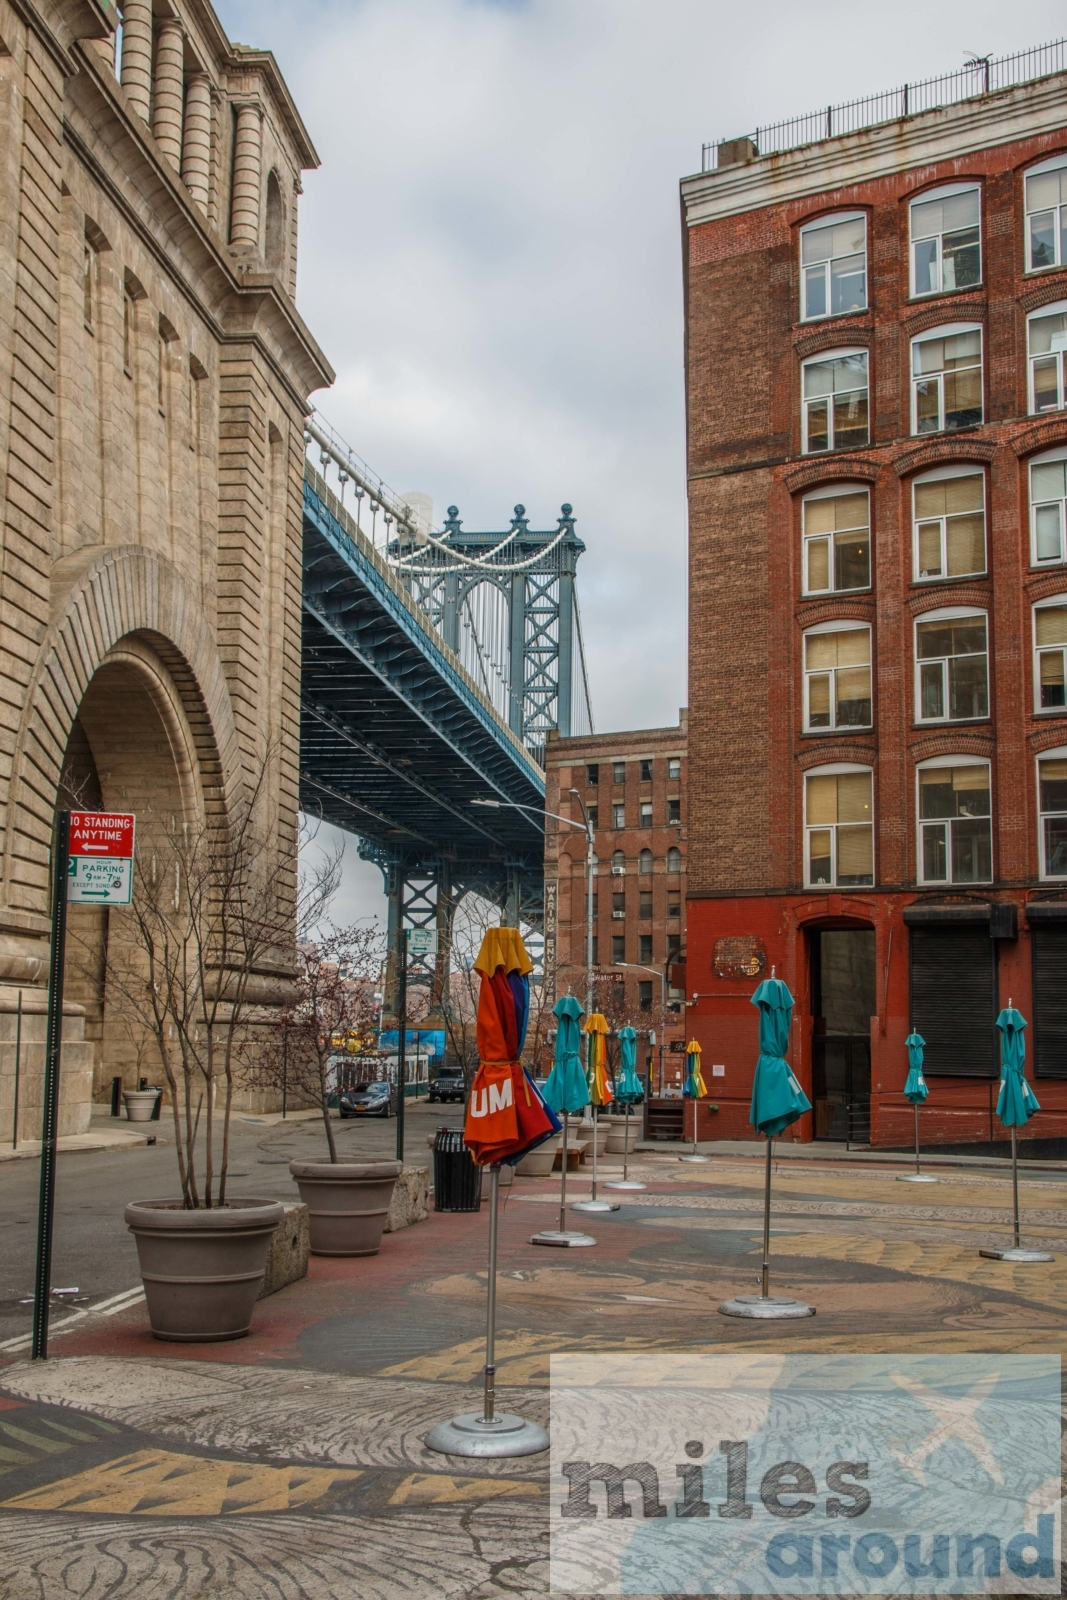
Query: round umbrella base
point(915, 1177)
point(1014, 1253)
point(626, 1183)
point(754, 1305)
point(594, 1205)
point(562, 1241)
point(704, 1160)
point(471, 1435)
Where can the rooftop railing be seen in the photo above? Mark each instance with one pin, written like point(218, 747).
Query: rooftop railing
point(981, 75)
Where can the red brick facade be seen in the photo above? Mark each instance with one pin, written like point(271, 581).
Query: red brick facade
point(640, 882)
point(752, 739)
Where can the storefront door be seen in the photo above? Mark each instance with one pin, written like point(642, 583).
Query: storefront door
point(842, 1004)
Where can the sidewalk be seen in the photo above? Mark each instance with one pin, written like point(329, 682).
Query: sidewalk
point(822, 1150)
point(119, 1136)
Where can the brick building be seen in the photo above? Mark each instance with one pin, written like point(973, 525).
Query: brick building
point(634, 786)
point(876, 358)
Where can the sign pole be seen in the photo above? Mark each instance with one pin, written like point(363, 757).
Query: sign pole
point(402, 1035)
point(50, 1124)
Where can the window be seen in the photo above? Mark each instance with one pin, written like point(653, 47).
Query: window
point(1046, 214)
point(837, 541)
point(618, 816)
point(1046, 343)
point(946, 380)
point(596, 950)
point(1050, 648)
point(645, 814)
point(594, 816)
point(644, 948)
point(835, 401)
point(646, 772)
point(952, 675)
point(949, 524)
point(955, 838)
point(837, 678)
point(674, 903)
point(839, 827)
point(618, 861)
point(674, 944)
point(618, 948)
point(674, 859)
point(618, 771)
point(674, 810)
point(88, 282)
point(618, 905)
point(833, 267)
point(1052, 812)
point(644, 862)
point(644, 909)
point(644, 995)
point(596, 904)
point(674, 767)
point(1048, 506)
point(946, 246)
point(592, 774)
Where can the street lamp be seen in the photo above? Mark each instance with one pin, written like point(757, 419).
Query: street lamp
point(562, 1237)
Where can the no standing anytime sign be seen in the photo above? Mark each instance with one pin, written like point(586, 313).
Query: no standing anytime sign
point(101, 858)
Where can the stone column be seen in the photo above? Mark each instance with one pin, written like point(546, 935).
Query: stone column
point(170, 91)
point(196, 143)
point(137, 54)
point(247, 176)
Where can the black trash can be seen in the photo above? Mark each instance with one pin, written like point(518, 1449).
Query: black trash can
point(457, 1182)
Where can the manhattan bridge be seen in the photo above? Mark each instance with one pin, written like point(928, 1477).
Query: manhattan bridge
point(435, 664)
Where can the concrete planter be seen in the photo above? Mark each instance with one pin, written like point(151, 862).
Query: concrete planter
point(202, 1270)
point(347, 1203)
point(539, 1163)
point(618, 1138)
point(140, 1103)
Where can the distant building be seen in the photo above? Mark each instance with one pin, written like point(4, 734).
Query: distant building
point(634, 787)
point(876, 362)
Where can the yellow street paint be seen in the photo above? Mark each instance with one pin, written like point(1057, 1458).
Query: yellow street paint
point(163, 1483)
point(35, 1440)
point(434, 1489)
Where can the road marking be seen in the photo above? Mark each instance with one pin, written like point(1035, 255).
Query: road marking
point(104, 1308)
point(435, 1489)
point(163, 1483)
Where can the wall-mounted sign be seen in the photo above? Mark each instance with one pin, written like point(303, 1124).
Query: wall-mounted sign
point(739, 956)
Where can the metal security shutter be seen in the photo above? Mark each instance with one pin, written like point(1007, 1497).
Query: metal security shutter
point(1050, 999)
point(953, 999)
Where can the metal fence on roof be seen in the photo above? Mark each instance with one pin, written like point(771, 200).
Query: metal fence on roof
point(981, 75)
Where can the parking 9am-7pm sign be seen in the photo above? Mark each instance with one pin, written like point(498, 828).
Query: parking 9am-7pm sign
point(100, 871)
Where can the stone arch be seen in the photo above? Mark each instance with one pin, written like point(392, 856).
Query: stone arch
point(275, 237)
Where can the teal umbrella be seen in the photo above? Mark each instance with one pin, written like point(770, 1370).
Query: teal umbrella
point(1017, 1102)
point(567, 1089)
point(627, 1084)
point(777, 1098)
point(915, 1089)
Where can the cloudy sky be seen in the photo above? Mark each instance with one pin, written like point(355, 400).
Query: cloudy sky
point(490, 252)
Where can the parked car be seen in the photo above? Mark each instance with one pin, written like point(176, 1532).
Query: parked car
point(377, 1099)
point(446, 1083)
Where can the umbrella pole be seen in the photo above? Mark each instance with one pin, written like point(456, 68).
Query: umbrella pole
point(915, 1108)
point(1015, 1180)
point(563, 1177)
point(626, 1143)
point(765, 1289)
point(489, 1412)
point(593, 1204)
point(596, 1141)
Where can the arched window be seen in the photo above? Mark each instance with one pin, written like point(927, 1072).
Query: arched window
point(837, 676)
point(674, 859)
point(1046, 214)
point(1048, 506)
point(1046, 348)
point(951, 665)
point(946, 384)
point(837, 539)
point(275, 221)
point(839, 826)
point(834, 401)
point(946, 243)
point(833, 266)
point(1050, 654)
point(955, 829)
point(949, 530)
point(644, 862)
point(618, 861)
point(1052, 811)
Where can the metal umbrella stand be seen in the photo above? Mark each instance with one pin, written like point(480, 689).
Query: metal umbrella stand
point(1016, 1104)
point(565, 1091)
point(600, 1094)
point(916, 1090)
point(777, 1101)
point(627, 1089)
point(694, 1088)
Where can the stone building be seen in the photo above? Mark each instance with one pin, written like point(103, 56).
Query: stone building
point(633, 786)
point(877, 434)
point(155, 375)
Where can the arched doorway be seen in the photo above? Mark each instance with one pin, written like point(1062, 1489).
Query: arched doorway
point(841, 961)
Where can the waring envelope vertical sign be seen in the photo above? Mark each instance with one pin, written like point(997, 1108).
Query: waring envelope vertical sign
point(100, 870)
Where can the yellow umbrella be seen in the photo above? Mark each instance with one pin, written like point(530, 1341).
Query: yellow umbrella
point(694, 1089)
point(600, 1090)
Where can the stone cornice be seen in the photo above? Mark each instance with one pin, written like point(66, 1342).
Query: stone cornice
point(948, 133)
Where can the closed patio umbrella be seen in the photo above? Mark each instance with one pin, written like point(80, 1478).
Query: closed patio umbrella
point(600, 1094)
point(627, 1093)
point(915, 1092)
point(694, 1089)
point(1016, 1104)
point(777, 1102)
point(567, 1090)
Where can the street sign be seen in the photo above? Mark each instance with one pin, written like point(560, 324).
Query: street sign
point(422, 942)
point(102, 833)
point(99, 881)
point(100, 866)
